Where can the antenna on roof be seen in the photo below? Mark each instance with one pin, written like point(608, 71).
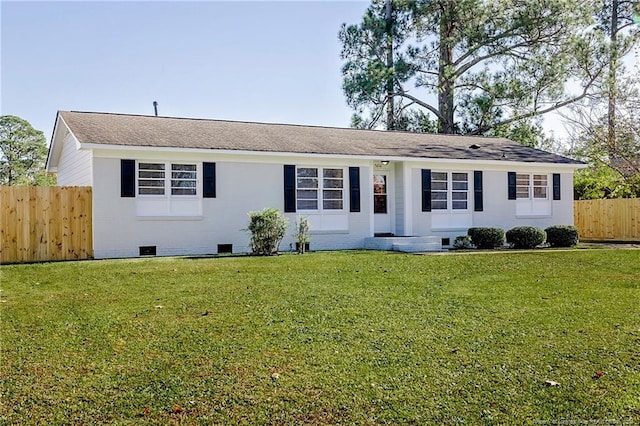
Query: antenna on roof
point(155, 107)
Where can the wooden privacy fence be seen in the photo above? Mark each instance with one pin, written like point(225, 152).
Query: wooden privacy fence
point(45, 223)
point(617, 219)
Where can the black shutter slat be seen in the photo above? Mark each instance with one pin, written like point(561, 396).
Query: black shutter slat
point(354, 189)
point(426, 190)
point(289, 188)
point(556, 186)
point(477, 191)
point(209, 180)
point(127, 178)
point(511, 180)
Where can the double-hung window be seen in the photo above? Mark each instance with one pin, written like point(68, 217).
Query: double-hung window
point(167, 178)
point(532, 195)
point(532, 186)
point(449, 191)
point(319, 189)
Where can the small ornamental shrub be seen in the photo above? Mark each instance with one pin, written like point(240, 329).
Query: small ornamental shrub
point(267, 229)
point(525, 237)
point(562, 236)
point(486, 238)
point(302, 234)
point(462, 242)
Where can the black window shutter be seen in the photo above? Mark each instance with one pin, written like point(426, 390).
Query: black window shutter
point(477, 191)
point(511, 179)
point(354, 189)
point(289, 188)
point(426, 190)
point(209, 180)
point(556, 186)
point(127, 178)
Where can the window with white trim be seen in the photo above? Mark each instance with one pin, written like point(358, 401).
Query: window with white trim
point(183, 179)
point(449, 191)
point(153, 179)
point(319, 188)
point(532, 186)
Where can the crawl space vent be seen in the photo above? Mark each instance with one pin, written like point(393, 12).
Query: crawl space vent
point(225, 248)
point(147, 250)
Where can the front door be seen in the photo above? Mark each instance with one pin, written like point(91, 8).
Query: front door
point(382, 215)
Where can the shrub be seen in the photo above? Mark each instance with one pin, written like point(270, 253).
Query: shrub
point(302, 234)
point(486, 238)
point(562, 235)
point(462, 242)
point(525, 237)
point(267, 229)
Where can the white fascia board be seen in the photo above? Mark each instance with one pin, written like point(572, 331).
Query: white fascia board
point(246, 155)
point(226, 152)
point(53, 156)
point(493, 165)
point(48, 167)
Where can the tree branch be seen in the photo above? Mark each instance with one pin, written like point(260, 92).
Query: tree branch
point(422, 104)
point(557, 105)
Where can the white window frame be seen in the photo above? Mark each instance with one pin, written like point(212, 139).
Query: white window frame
point(321, 188)
point(155, 178)
point(191, 171)
point(533, 195)
point(534, 189)
point(449, 191)
point(168, 179)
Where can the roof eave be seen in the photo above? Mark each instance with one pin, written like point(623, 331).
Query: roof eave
point(55, 147)
point(49, 167)
point(113, 147)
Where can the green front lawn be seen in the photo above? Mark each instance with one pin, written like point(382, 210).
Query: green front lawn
point(324, 338)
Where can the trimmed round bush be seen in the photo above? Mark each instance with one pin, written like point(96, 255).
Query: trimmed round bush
point(525, 237)
point(486, 238)
point(562, 235)
point(462, 242)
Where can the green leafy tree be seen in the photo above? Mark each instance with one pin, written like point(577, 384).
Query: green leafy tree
point(23, 153)
point(604, 129)
point(611, 148)
point(614, 171)
point(616, 18)
point(470, 65)
point(604, 182)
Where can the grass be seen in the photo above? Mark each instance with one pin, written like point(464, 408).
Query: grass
point(324, 338)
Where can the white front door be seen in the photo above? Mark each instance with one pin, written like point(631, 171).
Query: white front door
point(381, 203)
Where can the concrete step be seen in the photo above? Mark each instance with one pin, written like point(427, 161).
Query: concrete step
point(429, 243)
point(417, 247)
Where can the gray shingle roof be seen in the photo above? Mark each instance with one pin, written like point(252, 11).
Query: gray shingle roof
point(169, 132)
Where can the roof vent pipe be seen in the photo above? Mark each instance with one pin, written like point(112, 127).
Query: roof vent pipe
point(155, 107)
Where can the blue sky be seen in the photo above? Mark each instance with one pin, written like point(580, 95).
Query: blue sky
point(251, 61)
point(238, 60)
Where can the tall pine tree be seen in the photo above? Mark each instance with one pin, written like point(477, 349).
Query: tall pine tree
point(470, 66)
